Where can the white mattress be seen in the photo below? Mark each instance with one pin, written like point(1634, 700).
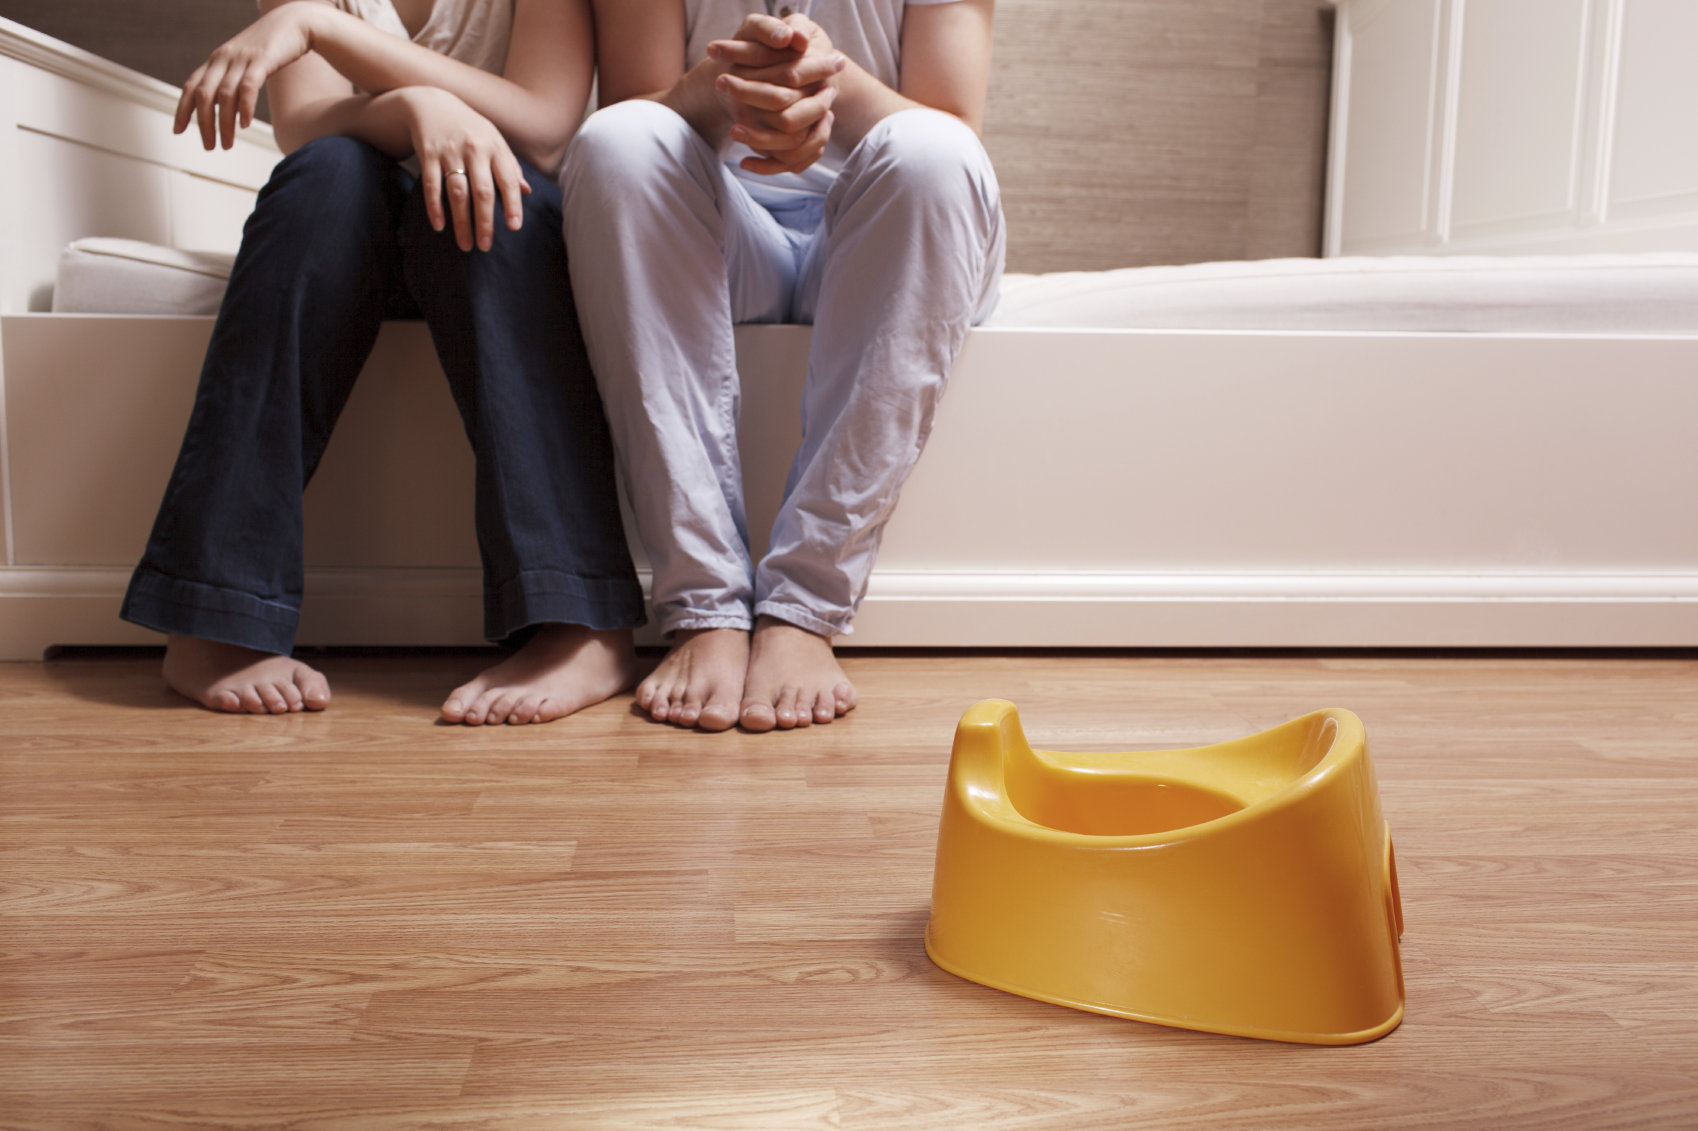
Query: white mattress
point(1572, 294)
point(1582, 294)
point(113, 276)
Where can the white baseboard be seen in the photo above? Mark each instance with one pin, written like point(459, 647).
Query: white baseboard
point(423, 607)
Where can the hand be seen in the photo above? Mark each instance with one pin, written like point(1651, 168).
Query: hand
point(777, 90)
point(224, 90)
point(463, 156)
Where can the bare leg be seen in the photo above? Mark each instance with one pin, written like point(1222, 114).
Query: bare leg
point(700, 681)
point(224, 677)
point(794, 679)
point(562, 669)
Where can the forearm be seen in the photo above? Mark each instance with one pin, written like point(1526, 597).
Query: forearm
point(537, 127)
point(862, 103)
point(381, 121)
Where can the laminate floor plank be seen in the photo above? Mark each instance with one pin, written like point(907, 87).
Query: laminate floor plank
point(366, 919)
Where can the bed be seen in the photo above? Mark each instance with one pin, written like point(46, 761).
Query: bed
point(1187, 472)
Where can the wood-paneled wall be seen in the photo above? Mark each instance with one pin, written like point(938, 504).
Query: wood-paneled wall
point(1131, 132)
point(1126, 132)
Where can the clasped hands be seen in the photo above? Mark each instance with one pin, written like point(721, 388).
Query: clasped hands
point(777, 90)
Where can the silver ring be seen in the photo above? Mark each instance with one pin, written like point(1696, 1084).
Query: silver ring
point(459, 173)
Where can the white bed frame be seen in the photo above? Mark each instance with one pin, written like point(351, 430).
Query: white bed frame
point(1083, 488)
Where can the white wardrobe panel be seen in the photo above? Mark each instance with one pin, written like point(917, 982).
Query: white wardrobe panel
point(93, 193)
point(1656, 135)
point(207, 215)
point(1517, 127)
point(1393, 57)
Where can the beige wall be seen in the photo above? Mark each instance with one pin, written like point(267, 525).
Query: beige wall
point(1129, 132)
point(1125, 131)
point(164, 38)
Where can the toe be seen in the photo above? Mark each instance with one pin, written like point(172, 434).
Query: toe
point(846, 697)
point(455, 706)
point(523, 711)
point(251, 702)
point(689, 712)
point(825, 709)
point(646, 692)
point(292, 697)
point(273, 699)
point(315, 689)
point(499, 710)
point(785, 708)
point(659, 710)
point(758, 717)
point(717, 716)
point(223, 699)
point(478, 712)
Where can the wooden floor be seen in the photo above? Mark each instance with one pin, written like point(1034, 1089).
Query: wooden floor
point(364, 920)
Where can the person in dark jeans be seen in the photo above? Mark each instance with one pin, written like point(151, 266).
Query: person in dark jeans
point(405, 144)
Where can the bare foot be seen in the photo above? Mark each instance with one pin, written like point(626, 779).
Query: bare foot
point(224, 677)
point(561, 669)
point(700, 680)
point(794, 679)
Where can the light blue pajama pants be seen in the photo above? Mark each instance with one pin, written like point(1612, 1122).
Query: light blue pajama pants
point(668, 248)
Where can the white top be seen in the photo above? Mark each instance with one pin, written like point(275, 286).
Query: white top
point(867, 31)
point(476, 32)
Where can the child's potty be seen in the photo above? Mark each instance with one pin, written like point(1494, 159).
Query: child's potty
point(1246, 888)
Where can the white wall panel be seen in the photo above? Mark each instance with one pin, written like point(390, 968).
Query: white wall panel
point(1392, 55)
point(1553, 126)
point(1656, 126)
point(70, 191)
point(208, 215)
point(1518, 127)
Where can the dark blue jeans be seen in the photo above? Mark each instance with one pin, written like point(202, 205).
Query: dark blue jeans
point(338, 242)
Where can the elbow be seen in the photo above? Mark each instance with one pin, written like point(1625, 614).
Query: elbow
point(545, 151)
point(288, 140)
point(545, 159)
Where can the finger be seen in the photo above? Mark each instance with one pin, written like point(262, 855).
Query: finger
point(204, 94)
point(804, 74)
point(797, 118)
point(760, 95)
point(745, 53)
point(794, 129)
point(186, 102)
point(247, 100)
point(482, 174)
point(769, 30)
point(457, 184)
point(226, 100)
point(797, 159)
point(769, 141)
point(430, 176)
point(510, 179)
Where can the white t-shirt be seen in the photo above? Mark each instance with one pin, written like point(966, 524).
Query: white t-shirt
point(475, 32)
point(867, 31)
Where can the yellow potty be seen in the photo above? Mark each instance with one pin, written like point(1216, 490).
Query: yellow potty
point(1245, 888)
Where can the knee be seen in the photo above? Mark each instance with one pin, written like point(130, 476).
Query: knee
point(929, 156)
point(331, 189)
point(333, 164)
point(624, 151)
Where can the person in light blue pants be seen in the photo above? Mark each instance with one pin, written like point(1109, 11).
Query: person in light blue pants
point(819, 167)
